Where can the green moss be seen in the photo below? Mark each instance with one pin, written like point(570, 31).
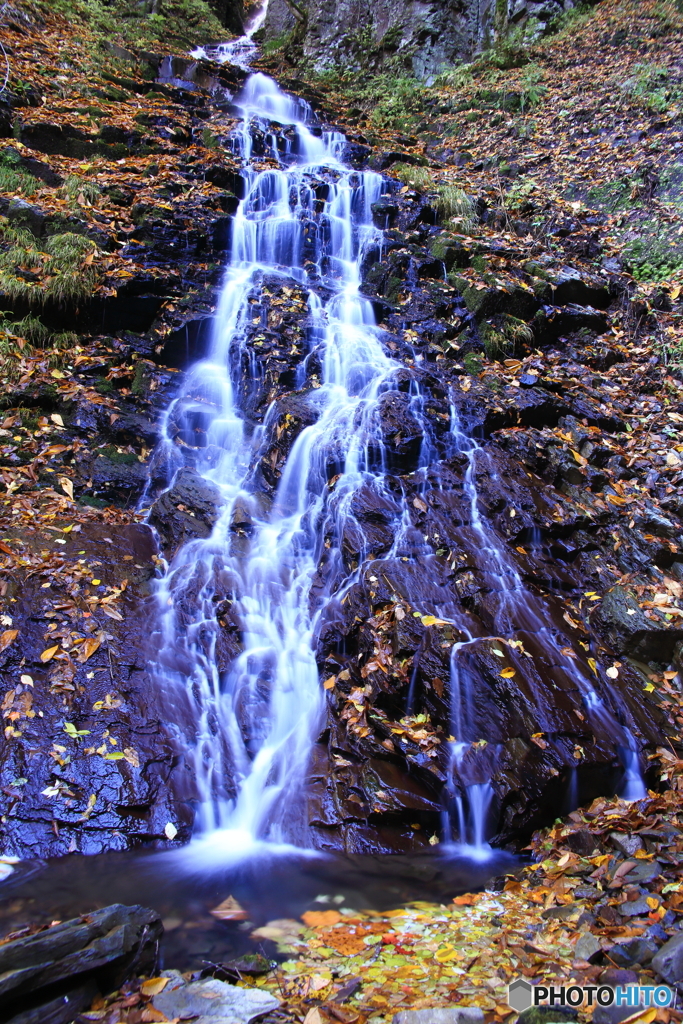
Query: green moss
point(454, 204)
point(140, 382)
point(180, 24)
point(114, 455)
point(495, 342)
point(104, 387)
point(12, 177)
point(472, 363)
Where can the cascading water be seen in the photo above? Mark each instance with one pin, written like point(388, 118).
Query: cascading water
point(256, 723)
point(306, 218)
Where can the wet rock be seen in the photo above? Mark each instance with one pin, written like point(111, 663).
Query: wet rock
point(552, 322)
point(582, 842)
point(587, 947)
point(626, 628)
point(637, 951)
point(614, 976)
point(574, 287)
point(214, 1001)
point(626, 844)
point(668, 963)
point(612, 1014)
point(441, 1015)
point(98, 951)
point(25, 215)
point(188, 510)
point(635, 908)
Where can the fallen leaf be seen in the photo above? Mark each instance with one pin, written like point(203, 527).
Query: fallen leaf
point(67, 486)
point(49, 653)
point(229, 910)
point(88, 648)
point(153, 986)
point(321, 918)
point(7, 638)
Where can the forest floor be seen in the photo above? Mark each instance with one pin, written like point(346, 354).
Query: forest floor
point(574, 155)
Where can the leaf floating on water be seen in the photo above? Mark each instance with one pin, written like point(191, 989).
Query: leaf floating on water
point(229, 909)
point(321, 918)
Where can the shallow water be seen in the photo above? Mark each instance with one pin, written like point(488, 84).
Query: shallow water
point(267, 886)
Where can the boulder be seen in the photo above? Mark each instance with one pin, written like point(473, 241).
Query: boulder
point(186, 511)
point(54, 974)
point(214, 1002)
point(668, 963)
point(441, 1015)
point(620, 621)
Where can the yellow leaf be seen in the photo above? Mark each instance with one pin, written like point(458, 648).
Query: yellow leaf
point(465, 384)
point(446, 953)
point(57, 374)
point(49, 653)
point(593, 664)
point(675, 292)
point(56, 418)
point(652, 902)
point(329, 683)
point(648, 687)
point(67, 486)
point(428, 620)
point(88, 649)
point(507, 673)
point(153, 986)
point(95, 583)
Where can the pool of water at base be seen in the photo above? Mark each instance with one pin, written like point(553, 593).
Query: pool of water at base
point(268, 887)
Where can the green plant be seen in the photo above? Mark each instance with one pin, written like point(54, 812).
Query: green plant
point(495, 341)
point(652, 256)
point(77, 188)
point(454, 204)
point(571, 20)
point(209, 139)
point(418, 177)
point(532, 92)
point(455, 78)
point(652, 87)
point(61, 271)
point(12, 177)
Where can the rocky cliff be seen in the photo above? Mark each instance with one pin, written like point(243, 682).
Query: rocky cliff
point(420, 37)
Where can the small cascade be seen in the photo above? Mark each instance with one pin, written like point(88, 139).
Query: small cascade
point(239, 51)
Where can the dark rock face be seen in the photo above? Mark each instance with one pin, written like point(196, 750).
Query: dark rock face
point(54, 974)
point(187, 510)
point(427, 36)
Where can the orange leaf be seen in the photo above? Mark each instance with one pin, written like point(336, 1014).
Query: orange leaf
point(49, 654)
point(468, 900)
point(88, 649)
point(153, 986)
point(7, 638)
point(230, 910)
point(321, 918)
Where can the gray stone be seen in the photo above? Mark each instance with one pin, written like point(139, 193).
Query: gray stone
point(635, 908)
point(77, 947)
point(25, 215)
point(214, 1002)
point(587, 947)
point(637, 951)
point(626, 844)
point(430, 34)
point(441, 1015)
point(627, 629)
point(644, 871)
point(668, 963)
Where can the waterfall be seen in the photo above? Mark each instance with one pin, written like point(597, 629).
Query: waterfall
point(306, 220)
point(255, 723)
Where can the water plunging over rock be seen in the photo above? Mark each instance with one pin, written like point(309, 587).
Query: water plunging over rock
point(332, 520)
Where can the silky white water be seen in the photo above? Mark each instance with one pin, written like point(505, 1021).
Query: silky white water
point(305, 219)
point(255, 723)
